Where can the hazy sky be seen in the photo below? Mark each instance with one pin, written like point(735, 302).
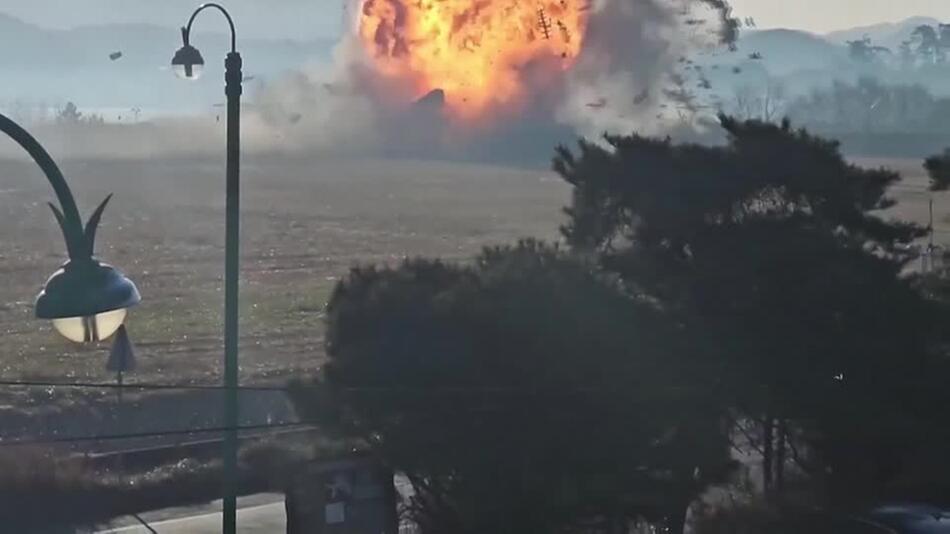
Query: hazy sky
point(827, 15)
point(295, 19)
point(302, 19)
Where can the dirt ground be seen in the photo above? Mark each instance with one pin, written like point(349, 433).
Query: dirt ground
point(913, 197)
point(304, 223)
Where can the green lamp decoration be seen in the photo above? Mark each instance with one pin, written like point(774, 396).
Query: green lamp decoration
point(86, 300)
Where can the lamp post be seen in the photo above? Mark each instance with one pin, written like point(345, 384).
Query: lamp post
point(188, 64)
point(86, 300)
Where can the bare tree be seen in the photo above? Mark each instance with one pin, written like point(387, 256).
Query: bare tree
point(766, 102)
point(773, 100)
point(745, 103)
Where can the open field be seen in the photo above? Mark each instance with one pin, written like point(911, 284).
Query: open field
point(304, 223)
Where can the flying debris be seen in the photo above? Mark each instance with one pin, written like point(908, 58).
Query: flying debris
point(695, 22)
point(642, 97)
point(598, 104)
point(294, 118)
point(755, 56)
point(115, 55)
point(248, 78)
point(749, 22)
point(737, 70)
point(705, 84)
point(434, 101)
point(544, 23)
point(565, 34)
point(485, 56)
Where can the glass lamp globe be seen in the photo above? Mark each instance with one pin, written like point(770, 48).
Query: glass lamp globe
point(188, 63)
point(188, 72)
point(92, 328)
point(87, 301)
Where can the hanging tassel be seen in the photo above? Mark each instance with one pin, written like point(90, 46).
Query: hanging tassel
point(122, 356)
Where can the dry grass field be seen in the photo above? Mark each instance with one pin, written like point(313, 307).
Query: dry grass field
point(304, 223)
point(913, 197)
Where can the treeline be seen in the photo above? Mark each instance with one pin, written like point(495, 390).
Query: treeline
point(709, 303)
point(871, 106)
point(40, 112)
point(923, 47)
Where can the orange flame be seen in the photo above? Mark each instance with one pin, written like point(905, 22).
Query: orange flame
point(482, 53)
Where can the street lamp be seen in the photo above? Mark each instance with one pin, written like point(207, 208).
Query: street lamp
point(86, 300)
point(188, 63)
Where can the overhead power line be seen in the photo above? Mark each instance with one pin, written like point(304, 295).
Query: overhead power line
point(151, 434)
point(133, 386)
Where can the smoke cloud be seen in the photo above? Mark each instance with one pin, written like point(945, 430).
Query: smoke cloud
point(632, 74)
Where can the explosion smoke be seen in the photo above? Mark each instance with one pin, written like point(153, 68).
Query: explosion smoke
point(481, 54)
point(450, 73)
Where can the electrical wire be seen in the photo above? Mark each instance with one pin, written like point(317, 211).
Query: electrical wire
point(481, 390)
point(150, 434)
point(134, 386)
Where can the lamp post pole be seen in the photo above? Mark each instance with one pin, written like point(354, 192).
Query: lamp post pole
point(188, 62)
point(52, 172)
point(232, 248)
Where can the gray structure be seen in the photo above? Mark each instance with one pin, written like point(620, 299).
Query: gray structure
point(353, 495)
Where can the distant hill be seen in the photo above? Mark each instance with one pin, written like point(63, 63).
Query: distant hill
point(55, 66)
point(59, 65)
point(800, 61)
point(786, 52)
point(889, 34)
point(797, 60)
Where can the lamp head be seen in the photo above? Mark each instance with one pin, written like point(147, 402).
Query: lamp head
point(187, 62)
point(86, 300)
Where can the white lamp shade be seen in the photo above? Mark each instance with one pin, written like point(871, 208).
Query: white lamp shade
point(90, 329)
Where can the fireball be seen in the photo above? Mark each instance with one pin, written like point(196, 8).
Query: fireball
point(483, 54)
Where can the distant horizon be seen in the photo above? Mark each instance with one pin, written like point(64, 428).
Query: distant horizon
point(298, 20)
point(821, 33)
point(829, 16)
point(305, 20)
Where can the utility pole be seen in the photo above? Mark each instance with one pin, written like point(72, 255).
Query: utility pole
point(927, 260)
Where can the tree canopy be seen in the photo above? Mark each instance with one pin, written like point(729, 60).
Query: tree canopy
point(523, 393)
point(705, 290)
point(774, 246)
